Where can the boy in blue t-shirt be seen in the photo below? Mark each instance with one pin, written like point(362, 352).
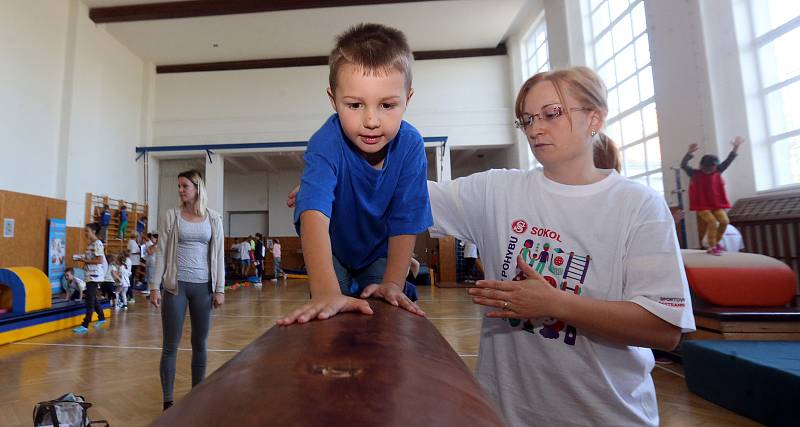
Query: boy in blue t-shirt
point(363, 194)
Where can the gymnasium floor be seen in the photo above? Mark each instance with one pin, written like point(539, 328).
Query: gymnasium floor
point(116, 367)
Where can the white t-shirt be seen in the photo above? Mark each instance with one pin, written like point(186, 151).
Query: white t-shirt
point(75, 284)
point(145, 247)
point(134, 250)
point(470, 250)
point(244, 251)
point(125, 273)
point(96, 272)
point(612, 240)
point(109, 277)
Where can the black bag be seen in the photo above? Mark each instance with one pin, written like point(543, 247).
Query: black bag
point(68, 410)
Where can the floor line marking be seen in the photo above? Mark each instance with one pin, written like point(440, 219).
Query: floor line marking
point(113, 346)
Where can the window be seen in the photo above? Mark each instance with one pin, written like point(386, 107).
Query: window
point(536, 50)
point(537, 60)
point(620, 51)
point(775, 27)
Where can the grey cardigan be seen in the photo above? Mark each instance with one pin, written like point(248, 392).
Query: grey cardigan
point(166, 259)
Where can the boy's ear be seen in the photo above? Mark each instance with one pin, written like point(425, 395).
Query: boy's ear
point(410, 94)
point(331, 98)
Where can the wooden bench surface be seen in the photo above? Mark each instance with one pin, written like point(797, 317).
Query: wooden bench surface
point(391, 368)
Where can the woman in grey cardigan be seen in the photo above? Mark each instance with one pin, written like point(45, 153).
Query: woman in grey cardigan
point(190, 267)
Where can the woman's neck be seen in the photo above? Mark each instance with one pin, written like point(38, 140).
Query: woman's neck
point(189, 208)
point(574, 173)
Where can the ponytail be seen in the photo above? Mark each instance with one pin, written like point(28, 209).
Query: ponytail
point(606, 153)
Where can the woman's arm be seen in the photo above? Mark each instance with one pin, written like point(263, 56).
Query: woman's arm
point(622, 322)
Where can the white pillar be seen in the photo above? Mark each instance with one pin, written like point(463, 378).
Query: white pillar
point(153, 170)
point(215, 182)
point(443, 169)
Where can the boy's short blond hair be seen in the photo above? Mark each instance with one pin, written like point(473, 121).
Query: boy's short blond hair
point(375, 48)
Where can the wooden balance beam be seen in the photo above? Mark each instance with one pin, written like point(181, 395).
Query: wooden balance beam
point(389, 369)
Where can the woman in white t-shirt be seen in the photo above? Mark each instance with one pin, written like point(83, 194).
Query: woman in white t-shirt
point(568, 343)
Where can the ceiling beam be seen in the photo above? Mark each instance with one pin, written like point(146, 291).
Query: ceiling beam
point(240, 168)
point(198, 8)
point(264, 160)
point(317, 60)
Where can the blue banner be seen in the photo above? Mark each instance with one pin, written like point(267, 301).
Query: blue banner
point(56, 252)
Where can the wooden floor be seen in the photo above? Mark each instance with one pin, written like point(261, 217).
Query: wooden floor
point(116, 367)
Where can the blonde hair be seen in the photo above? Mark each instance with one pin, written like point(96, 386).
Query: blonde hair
point(375, 48)
point(588, 89)
point(202, 196)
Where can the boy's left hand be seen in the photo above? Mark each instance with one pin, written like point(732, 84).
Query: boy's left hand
point(394, 295)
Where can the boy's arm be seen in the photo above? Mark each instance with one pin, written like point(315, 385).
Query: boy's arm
point(326, 298)
point(400, 248)
point(394, 277)
point(316, 243)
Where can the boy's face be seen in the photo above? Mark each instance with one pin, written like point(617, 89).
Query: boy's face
point(370, 107)
point(68, 276)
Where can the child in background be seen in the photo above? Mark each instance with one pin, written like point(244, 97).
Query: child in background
point(707, 192)
point(111, 280)
point(141, 223)
point(105, 219)
point(276, 260)
point(125, 282)
point(95, 265)
point(123, 221)
point(73, 287)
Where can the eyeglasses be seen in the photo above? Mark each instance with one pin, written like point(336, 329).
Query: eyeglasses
point(548, 114)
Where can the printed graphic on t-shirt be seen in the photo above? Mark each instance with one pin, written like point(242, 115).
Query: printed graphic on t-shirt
point(543, 250)
point(96, 271)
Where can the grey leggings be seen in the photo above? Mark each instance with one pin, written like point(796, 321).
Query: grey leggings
point(198, 297)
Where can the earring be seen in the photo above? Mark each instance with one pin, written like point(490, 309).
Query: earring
point(594, 132)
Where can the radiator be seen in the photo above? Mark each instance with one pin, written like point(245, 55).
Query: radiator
point(770, 225)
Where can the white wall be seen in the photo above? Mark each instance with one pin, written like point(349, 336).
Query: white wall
point(71, 103)
point(246, 192)
point(32, 51)
point(105, 119)
point(167, 183)
point(451, 99)
point(281, 221)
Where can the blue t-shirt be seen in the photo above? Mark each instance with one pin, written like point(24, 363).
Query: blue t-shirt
point(105, 218)
point(365, 205)
point(123, 216)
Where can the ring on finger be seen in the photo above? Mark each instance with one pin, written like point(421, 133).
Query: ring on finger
point(505, 305)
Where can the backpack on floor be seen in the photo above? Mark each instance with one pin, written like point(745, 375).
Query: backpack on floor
point(68, 410)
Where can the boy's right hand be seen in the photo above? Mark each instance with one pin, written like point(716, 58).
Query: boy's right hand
point(325, 307)
point(693, 147)
point(291, 199)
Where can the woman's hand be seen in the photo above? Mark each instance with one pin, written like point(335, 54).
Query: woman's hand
point(291, 199)
point(219, 299)
point(155, 298)
point(524, 299)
